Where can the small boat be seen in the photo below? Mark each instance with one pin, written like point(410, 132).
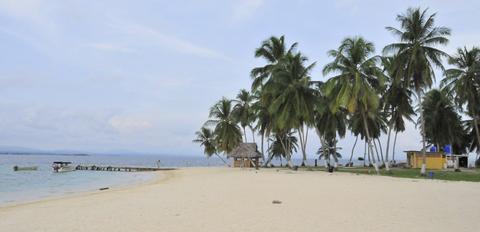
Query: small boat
point(26, 168)
point(60, 166)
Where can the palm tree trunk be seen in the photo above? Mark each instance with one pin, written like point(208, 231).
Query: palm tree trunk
point(270, 157)
point(244, 134)
point(423, 170)
point(253, 134)
point(335, 158)
point(475, 122)
point(261, 144)
point(385, 162)
point(394, 146)
point(326, 155)
point(365, 154)
point(365, 124)
point(222, 159)
point(353, 149)
point(376, 151)
point(286, 149)
point(388, 146)
point(303, 142)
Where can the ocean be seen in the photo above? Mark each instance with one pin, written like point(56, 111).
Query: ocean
point(24, 186)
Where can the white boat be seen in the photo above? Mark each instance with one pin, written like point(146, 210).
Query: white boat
point(60, 166)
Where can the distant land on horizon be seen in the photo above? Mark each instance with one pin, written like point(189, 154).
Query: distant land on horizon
point(14, 150)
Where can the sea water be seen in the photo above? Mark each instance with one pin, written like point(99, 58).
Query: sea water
point(24, 186)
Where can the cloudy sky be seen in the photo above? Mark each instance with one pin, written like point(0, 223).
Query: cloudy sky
point(117, 75)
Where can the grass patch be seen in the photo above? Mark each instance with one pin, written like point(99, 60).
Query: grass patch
point(472, 175)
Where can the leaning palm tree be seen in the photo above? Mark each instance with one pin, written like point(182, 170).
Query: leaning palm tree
point(227, 132)
point(417, 54)
point(357, 81)
point(463, 82)
point(243, 112)
point(206, 138)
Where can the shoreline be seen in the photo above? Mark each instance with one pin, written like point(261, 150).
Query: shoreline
point(160, 176)
point(81, 193)
point(227, 199)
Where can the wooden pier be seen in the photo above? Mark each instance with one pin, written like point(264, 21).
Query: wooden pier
point(119, 168)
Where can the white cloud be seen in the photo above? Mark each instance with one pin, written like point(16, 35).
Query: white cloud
point(245, 9)
point(110, 47)
point(165, 40)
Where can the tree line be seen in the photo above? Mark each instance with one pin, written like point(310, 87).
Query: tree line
point(368, 94)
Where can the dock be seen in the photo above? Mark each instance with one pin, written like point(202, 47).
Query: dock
point(119, 168)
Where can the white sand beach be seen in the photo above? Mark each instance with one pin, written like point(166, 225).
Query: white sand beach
point(224, 199)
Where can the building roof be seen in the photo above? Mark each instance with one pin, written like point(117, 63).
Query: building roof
point(245, 150)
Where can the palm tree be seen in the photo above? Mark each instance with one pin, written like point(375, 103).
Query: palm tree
point(263, 120)
point(227, 132)
point(291, 97)
point(206, 138)
point(472, 141)
point(417, 54)
point(329, 123)
point(329, 150)
point(357, 81)
point(463, 82)
point(277, 143)
point(438, 109)
point(243, 112)
point(396, 101)
point(273, 50)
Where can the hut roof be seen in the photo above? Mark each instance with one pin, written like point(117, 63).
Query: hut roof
point(245, 150)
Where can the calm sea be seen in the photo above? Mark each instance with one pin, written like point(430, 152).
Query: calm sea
point(23, 186)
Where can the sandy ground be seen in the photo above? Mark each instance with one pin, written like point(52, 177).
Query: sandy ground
point(221, 199)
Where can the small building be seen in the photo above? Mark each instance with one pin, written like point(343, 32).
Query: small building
point(435, 160)
point(245, 155)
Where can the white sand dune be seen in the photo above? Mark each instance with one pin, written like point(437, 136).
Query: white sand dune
point(221, 199)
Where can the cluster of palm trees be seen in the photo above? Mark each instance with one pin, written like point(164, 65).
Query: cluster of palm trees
point(370, 95)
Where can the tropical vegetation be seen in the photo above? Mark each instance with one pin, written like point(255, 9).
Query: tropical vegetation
point(365, 93)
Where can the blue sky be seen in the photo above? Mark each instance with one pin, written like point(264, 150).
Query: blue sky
point(105, 76)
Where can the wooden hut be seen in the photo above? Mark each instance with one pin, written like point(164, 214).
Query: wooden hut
point(245, 155)
point(435, 160)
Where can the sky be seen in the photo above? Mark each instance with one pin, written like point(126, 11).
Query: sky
point(119, 76)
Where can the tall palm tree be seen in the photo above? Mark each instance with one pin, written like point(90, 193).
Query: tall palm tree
point(263, 120)
point(273, 51)
point(243, 112)
point(417, 54)
point(292, 97)
point(439, 109)
point(329, 123)
point(206, 138)
point(463, 82)
point(396, 101)
point(357, 81)
point(227, 132)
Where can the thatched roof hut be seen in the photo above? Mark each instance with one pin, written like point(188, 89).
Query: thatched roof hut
point(245, 155)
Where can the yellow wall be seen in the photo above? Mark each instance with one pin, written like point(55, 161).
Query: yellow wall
point(433, 162)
